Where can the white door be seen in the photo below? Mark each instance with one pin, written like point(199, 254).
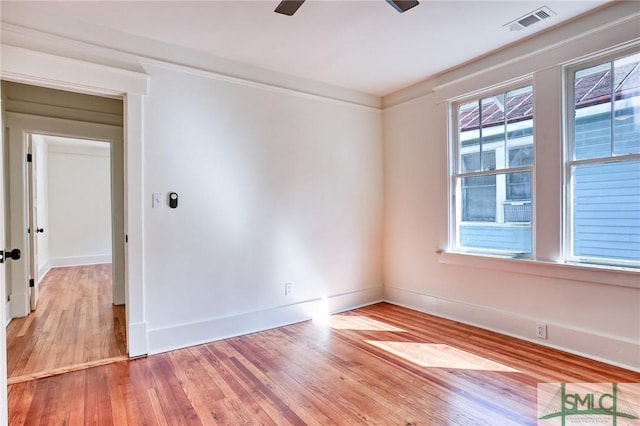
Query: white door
point(17, 224)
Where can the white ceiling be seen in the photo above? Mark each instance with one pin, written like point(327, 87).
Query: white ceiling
point(364, 45)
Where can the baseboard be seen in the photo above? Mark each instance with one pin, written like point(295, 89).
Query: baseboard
point(597, 346)
point(7, 314)
point(171, 338)
point(44, 270)
point(57, 262)
point(137, 339)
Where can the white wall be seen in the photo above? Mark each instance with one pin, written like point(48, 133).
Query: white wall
point(592, 312)
point(277, 186)
point(274, 187)
point(79, 204)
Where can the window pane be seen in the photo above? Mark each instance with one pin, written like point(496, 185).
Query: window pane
point(492, 116)
point(519, 186)
point(606, 210)
point(471, 162)
point(479, 199)
point(468, 116)
point(469, 134)
point(520, 127)
point(519, 104)
point(488, 221)
point(592, 126)
point(522, 156)
point(626, 115)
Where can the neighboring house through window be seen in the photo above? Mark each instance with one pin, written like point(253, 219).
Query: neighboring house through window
point(494, 162)
point(492, 166)
point(603, 161)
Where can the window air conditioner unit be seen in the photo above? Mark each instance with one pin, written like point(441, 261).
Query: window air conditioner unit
point(517, 211)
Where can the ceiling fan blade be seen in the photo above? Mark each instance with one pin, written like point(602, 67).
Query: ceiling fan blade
point(403, 5)
point(288, 7)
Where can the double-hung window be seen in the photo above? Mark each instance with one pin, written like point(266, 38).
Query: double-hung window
point(603, 161)
point(493, 159)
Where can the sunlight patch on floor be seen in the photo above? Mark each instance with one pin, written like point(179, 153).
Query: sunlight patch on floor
point(358, 322)
point(437, 355)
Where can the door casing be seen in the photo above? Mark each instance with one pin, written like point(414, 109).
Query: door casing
point(37, 68)
point(21, 126)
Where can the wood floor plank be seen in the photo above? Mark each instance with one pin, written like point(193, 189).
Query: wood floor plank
point(24, 394)
point(444, 381)
point(427, 390)
point(75, 323)
point(120, 392)
point(176, 407)
point(234, 387)
point(204, 396)
point(281, 386)
point(378, 365)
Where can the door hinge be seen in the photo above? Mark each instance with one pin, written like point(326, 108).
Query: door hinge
point(29, 158)
point(32, 282)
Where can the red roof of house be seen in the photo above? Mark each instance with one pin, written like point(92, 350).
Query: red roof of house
point(590, 90)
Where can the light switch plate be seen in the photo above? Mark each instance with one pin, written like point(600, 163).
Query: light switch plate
point(156, 200)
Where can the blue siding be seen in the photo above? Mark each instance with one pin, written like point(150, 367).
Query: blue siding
point(606, 197)
point(512, 238)
point(606, 200)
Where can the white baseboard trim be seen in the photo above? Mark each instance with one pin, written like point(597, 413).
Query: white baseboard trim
point(7, 314)
point(137, 339)
point(600, 347)
point(57, 262)
point(181, 336)
point(44, 269)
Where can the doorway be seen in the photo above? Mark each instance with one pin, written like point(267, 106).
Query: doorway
point(66, 212)
point(69, 203)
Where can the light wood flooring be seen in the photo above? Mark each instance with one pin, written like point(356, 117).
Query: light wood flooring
point(75, 324)
point(381, 364)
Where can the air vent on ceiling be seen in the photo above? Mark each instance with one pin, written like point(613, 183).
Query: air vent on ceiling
point(530, 19)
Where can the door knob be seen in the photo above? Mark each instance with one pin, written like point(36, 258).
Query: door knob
point(40, 230)
point(9, 254)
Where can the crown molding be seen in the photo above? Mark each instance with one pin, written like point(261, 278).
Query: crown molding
point(140, 52)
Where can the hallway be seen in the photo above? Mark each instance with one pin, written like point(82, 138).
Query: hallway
point(74, 326)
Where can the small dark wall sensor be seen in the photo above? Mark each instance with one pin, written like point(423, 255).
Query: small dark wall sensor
point(173, 200)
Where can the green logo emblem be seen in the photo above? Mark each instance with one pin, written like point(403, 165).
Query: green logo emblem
point(588, 402)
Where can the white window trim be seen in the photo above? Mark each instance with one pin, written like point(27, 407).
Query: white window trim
point(568, 162)
point(599, 274)
point(454, 206)
point(551, 262)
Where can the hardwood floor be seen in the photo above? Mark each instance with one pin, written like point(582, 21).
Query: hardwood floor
point(75, 323)
point(381, 364)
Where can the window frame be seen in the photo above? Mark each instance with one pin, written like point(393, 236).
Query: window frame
point(568, 160)
point(455, 173)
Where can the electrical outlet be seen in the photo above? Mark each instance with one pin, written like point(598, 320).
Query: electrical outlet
point(288, 289)
point(541, 330)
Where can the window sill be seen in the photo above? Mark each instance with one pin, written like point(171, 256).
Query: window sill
point(608, 275)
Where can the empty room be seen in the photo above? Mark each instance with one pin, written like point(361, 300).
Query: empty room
point(321, 212)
